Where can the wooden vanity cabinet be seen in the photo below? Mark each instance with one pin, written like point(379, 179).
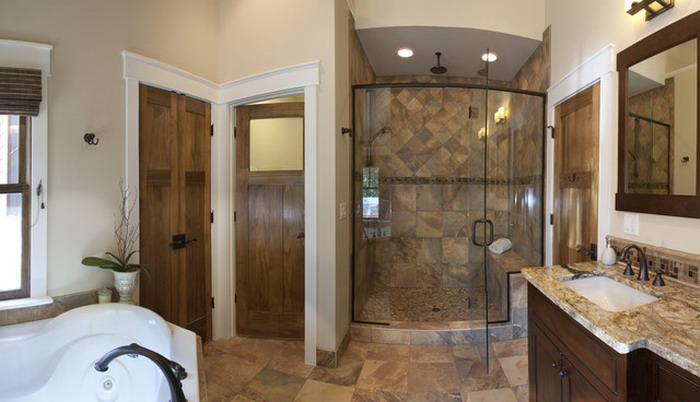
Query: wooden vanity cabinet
point(568, 363)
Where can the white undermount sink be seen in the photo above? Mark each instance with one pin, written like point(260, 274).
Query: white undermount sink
point(609, 294)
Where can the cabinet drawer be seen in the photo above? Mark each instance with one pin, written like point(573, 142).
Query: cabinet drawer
point(596, 360)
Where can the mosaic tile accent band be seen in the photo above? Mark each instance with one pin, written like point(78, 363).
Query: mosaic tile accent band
point(468, 180)
point(673, 264)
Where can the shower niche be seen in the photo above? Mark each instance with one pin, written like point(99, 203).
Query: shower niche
point(439, 171)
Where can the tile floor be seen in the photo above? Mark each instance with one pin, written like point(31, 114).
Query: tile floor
point(245, 369)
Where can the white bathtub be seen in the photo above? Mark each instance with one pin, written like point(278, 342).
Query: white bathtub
point(52, 360)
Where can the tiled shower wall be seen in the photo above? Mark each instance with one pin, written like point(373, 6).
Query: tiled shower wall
point(650, 143)
point(431, 169)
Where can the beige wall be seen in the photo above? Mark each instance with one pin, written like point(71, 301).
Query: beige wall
point(685, 131)
point(579, 30)
point(86, 94)
point(261, 35)
point(524, 17)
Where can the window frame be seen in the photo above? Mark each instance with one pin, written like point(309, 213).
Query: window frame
point(23, 54)
point(22, 187)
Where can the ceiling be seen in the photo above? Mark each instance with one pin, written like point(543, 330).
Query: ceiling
point(461, 51)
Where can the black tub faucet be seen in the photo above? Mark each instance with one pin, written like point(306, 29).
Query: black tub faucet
point(173, 371)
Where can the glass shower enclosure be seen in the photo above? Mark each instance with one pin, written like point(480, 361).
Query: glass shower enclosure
point(442, 171)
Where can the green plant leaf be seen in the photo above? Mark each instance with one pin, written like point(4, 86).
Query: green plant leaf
point(117, 259)
point(99, 262)
point(128, 257)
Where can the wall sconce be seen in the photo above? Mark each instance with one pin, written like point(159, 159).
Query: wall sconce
point(500, 115)
point(652, 7)
point(481, 134)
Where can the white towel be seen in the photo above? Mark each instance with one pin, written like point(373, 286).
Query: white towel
point(500, 246)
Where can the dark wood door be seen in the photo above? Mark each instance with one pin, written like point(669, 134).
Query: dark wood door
point(269, 235)
point(576, 388)
point(174, 188)
point(545, 382)
point(576, 176)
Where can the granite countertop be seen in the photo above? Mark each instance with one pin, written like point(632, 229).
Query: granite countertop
point(669, 327)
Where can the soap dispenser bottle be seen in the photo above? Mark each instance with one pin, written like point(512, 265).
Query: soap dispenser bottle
point(609, 256)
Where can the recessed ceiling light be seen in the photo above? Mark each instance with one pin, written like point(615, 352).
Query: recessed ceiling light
point(405, 52)
point(489, 57)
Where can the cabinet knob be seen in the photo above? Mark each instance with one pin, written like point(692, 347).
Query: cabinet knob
point(555, 364)
point(562, 373)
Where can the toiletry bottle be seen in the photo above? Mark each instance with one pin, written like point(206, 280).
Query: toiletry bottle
point(609, 256)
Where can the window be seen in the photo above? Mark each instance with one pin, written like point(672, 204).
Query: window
point(370, 192)
point(15, 206)
point(23, 169)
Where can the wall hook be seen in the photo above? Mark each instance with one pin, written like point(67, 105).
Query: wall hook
point(345, 130)
point(90, 139)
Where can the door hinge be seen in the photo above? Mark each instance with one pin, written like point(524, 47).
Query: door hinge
point(235, 129)
point(551, 219)
point(234, 216)
point(235, 297)
point(211, 217)
point(552, 130)
point(212, 130)
point(212, 302)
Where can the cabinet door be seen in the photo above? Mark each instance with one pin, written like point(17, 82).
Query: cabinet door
point(545, 361)
point(575, 387)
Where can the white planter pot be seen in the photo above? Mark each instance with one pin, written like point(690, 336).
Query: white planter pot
point(126, 282)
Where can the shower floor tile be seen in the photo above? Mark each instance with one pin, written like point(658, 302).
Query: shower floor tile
point(426, 305)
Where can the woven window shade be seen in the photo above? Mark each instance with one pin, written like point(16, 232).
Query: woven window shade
point(20, 91)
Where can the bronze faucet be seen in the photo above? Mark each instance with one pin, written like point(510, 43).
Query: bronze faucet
point(643, 269)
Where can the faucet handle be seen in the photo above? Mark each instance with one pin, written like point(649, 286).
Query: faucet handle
point(659, 280)
point(628, 268)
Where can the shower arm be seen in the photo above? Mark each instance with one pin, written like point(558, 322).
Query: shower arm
point(374, 136)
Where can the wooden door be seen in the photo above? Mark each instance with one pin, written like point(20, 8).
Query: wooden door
point(269, 234)
point(174, 188)
point(545, 382)
point(576, 176)
point(576, 388)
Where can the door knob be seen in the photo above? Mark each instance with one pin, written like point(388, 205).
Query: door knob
point(301, 236)
point(556, 364)
point(563, 373)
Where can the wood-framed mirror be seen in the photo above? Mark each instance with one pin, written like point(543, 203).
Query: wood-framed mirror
point(658, 147)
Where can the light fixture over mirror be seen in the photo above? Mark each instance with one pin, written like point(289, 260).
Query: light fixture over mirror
point(652, 7)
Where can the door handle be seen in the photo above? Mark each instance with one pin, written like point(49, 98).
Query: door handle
point(180, 240)
point(301, 235)
point(572, 177)
point(489, 238)
point(488, 222)
point(474, 223)
point(593, 252)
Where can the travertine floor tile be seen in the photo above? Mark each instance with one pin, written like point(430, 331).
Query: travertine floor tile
point(384, 376)
point(432, 377)
point(515, 368)
point(431, 354)
point(368, 395)
point(316, 391)
point(274, 386)
point(510, 348)
point(347, 372)
point(233, 373)
point(389, 353)
point(290, 360)
point(493, 395)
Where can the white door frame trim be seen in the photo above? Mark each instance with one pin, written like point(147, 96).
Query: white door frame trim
point(598, 68)
point(302, 78)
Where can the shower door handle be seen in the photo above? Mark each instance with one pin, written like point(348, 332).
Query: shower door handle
point(489, 238)
point(488, 222)
point(474, 223)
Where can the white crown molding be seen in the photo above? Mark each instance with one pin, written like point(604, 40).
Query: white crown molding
point(35, 45)
point(590, 71)
point(159, 74)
